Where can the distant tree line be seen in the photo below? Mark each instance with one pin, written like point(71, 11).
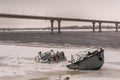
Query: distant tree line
point(63, 27)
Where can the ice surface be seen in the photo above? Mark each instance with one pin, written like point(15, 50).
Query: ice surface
point(19, 61)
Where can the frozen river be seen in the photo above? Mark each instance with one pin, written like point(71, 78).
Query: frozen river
point(17, 63)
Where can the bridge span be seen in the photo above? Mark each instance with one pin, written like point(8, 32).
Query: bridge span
point(59, 19)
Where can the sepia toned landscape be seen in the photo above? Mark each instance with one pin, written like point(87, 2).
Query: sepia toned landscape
point(59, 40)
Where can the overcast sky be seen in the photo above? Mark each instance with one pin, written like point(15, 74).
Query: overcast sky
point(90, 9)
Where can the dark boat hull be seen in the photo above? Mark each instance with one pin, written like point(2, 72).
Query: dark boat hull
point(93, 62)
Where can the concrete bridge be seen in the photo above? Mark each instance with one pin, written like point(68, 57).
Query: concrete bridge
point(59, 19)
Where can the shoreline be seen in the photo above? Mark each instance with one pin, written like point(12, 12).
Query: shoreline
point(44, 45)
point(53, 45)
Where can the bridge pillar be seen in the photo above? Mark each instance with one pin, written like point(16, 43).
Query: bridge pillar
point(59, 26)
point(52, 24)
point(100, 26)
point(116, 25)
point(93, 26)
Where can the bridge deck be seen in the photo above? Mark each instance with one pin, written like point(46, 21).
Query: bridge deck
point(54, 18)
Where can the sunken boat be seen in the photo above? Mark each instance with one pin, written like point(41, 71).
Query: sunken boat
point(50, 56)
point(92, 59)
